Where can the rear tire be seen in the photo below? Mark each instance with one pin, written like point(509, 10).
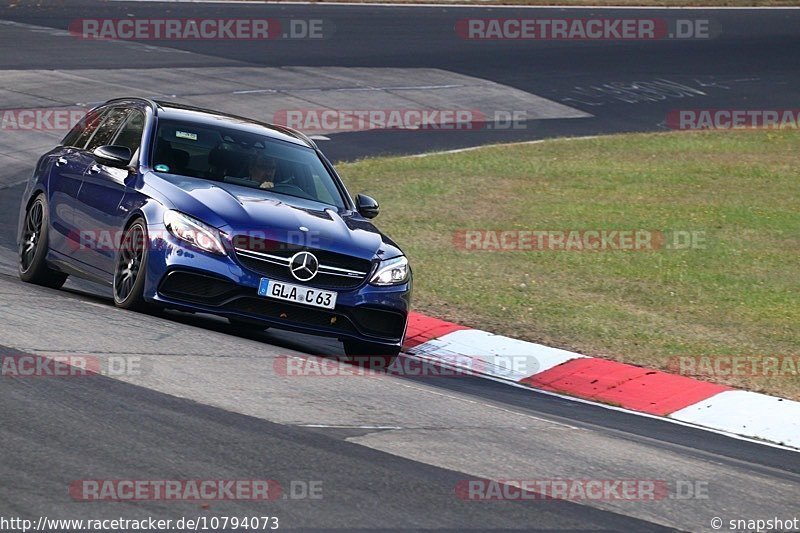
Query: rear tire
point(372, 356)
point(131, 266)
point(34, 246)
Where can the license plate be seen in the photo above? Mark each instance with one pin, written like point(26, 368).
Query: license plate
point(297, 293)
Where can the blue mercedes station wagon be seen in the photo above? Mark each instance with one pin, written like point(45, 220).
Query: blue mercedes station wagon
point(185, 208)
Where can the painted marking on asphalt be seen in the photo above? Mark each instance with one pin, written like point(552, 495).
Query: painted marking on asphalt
point(253, 91)
point(337, 426)
point(520, 143)
point(405, 88)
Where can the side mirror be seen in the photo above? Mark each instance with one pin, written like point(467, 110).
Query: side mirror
point(113, 156)
point(367, 206)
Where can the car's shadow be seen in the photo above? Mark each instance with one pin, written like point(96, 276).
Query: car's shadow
point(309, 344)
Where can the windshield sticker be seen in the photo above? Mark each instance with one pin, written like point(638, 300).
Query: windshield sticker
point(162, 168)
point(186, 135)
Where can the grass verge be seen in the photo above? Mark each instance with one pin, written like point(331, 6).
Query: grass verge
point(738, 294)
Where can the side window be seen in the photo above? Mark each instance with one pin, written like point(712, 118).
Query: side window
point(83, 131)
point(131, 133)
point(113, 120)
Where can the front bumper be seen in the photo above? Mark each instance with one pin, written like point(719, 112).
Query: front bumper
point(182, 277)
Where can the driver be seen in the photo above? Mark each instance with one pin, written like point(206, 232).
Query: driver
point(262, 170)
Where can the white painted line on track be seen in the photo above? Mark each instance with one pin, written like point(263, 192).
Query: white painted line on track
point(520, 143)
point(335, 426)
point(256, 91)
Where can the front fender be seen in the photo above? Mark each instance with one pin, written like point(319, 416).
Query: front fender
point(37, 183)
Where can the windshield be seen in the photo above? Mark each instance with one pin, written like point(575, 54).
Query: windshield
point(240, 157)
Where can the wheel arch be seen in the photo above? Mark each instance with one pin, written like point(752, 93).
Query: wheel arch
point(27, 202)
point(151, 210)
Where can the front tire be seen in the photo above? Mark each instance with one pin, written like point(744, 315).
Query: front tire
point(131, 267)
point(34, 246)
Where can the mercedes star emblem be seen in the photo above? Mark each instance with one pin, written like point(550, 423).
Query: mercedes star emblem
point(303, 266)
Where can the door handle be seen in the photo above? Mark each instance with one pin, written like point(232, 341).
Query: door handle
point(94, 169)
point(61, 161)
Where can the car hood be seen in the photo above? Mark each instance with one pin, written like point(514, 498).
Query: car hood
point(238, 210)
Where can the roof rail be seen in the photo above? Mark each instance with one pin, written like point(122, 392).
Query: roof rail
point(153, 105)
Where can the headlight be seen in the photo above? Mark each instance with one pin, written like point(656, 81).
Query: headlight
point(194, 232)
point(391, 272)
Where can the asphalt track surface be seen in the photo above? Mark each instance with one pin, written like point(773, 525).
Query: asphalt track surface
point(209, 402)
point(751, 64)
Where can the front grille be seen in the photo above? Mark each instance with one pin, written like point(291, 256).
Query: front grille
point(199, 288)
point(271, 259)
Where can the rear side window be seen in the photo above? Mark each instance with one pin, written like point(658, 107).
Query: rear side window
point(130, 135)
point(112, 122)
point(83, 131)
